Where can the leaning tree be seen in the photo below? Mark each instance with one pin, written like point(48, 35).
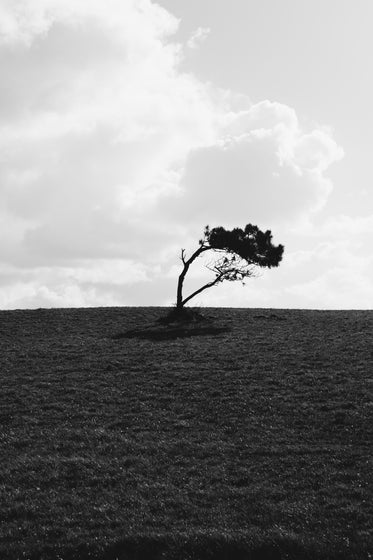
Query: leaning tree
point(238, 253)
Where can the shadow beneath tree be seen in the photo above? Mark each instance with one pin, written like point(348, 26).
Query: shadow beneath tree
point(176, 323)
point(170, 333)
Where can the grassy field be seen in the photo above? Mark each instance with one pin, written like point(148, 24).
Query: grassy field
point(252, 442)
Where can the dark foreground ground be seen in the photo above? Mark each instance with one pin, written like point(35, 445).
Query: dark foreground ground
point(253, 441)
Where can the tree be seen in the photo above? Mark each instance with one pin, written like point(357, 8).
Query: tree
point(239, 251)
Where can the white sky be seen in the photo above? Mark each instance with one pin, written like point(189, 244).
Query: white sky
point(128, 125)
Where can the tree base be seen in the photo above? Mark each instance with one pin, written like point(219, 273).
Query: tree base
point(182, 315)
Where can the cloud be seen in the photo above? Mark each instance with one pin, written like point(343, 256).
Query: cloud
point(24, 21)
point(111, 156)
point(198, 37)
point(337, 288)
point(95, 108)
point(332, 269)
point(265, 168)
point(82, 284)
point(350, 228)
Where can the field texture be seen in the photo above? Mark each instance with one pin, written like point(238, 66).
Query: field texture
point(246, 443)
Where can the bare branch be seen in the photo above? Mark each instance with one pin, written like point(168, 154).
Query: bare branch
point(208, 285)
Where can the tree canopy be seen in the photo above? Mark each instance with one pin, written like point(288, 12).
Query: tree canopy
point(239, 252)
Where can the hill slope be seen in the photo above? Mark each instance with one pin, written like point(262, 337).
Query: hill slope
point(257, 437)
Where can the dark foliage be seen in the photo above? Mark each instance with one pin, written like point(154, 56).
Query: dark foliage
point(251, 244)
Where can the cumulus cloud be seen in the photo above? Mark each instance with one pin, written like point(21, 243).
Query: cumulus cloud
point(93, 108)
point(265, 168)
point(110, 155)
point(23, 21)
point(198, 37)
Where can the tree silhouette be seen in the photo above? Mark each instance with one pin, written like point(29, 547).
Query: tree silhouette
point(239, 251)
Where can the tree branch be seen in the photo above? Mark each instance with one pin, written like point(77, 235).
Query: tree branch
point(208, 285)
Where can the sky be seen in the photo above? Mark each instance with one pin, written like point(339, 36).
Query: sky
point(126, 126)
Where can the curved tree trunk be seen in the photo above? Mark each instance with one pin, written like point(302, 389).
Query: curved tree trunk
point(179, 297)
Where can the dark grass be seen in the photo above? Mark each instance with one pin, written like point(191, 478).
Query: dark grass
point(251, 442)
